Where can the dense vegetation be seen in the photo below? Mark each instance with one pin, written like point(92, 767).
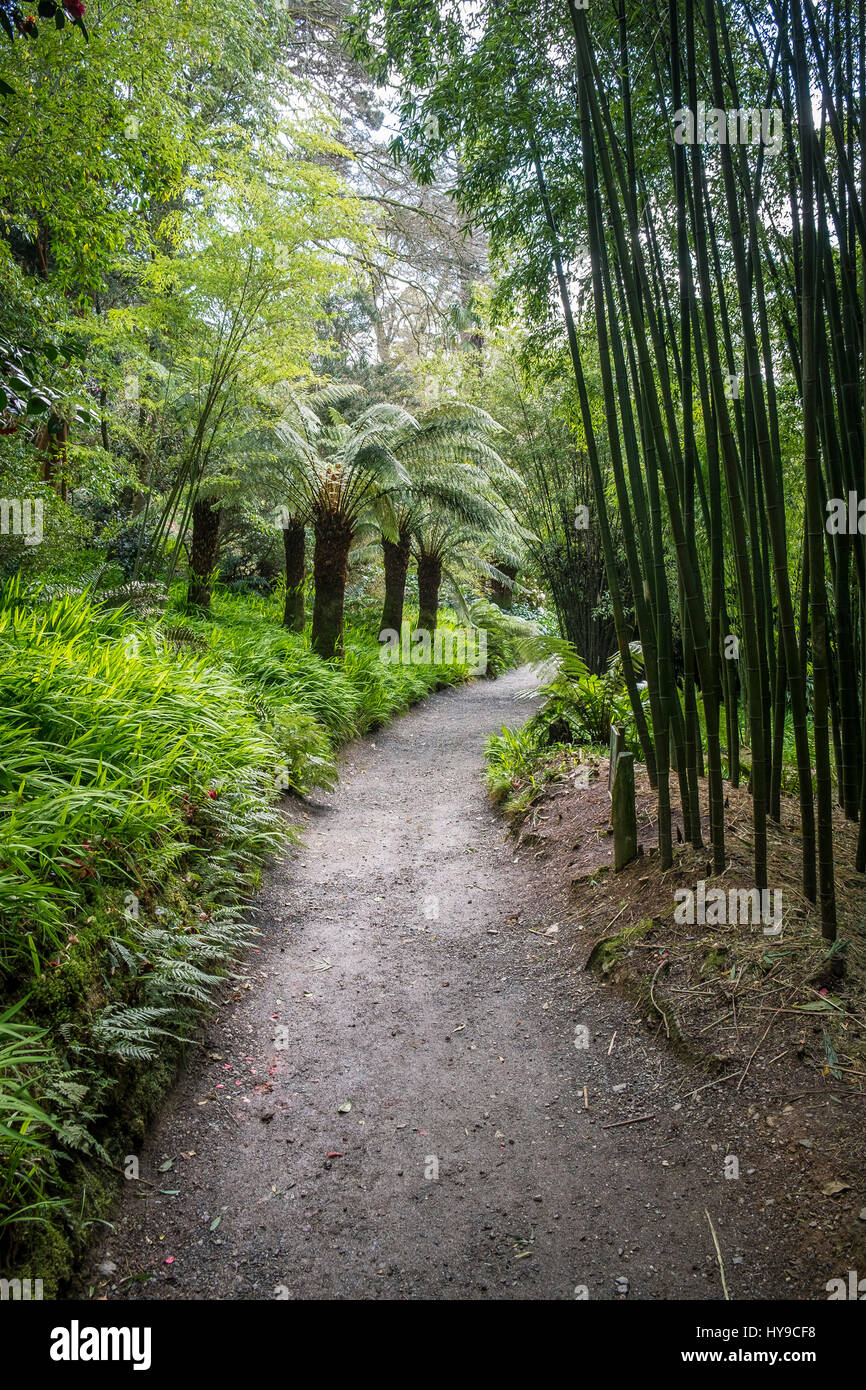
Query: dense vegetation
point(318, 321)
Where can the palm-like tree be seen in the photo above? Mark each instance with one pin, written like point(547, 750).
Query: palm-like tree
point(453, 470)
point(334, 474)
point(447, 544)
point(385, 474)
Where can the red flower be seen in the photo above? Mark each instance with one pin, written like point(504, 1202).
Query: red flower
point(75, 8)
point(211, 793)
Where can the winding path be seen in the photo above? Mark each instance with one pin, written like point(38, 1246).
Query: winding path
point(404, 971)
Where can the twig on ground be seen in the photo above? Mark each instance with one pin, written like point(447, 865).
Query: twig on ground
point(660, 965)
point(718, 1255)
point(618, 915)
point(758, 1044)
point(717, 1081)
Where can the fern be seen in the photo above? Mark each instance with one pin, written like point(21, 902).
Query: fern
point(132, 1032)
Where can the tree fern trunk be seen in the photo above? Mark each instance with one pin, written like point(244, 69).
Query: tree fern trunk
point(330, 564)
point(429, 583)
point(294, 544)
point(396, 555)
point(204, 548)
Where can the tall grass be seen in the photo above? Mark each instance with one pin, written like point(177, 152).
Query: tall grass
point(117, 758)
point(23, 1123)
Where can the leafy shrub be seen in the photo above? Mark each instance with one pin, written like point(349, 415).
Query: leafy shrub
point(511, 641)
point(578, 710)
point(580, 707)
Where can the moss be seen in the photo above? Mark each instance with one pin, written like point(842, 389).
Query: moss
point(599, 873)
point(50, 1259)
point(610, 952)
point(715, 960)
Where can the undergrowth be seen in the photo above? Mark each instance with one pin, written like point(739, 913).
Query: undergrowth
point(577, 712)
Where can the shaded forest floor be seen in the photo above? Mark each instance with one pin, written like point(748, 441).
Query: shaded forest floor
point(777, 1023)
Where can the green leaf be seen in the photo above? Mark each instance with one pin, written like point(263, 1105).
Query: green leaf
point(832, 1058)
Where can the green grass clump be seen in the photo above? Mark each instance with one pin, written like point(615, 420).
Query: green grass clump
point(118, 757)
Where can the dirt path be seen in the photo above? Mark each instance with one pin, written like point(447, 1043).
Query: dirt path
point(405, 970)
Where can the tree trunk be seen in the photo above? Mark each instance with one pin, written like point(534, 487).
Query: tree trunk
point(429, 580)
point(396, 555)
point(811, 306)
point(294, 542)
point(330, 562)
point(206, 519)
point(52, 442)
point(503, 594)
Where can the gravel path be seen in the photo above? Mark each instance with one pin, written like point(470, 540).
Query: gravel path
point(406, 971)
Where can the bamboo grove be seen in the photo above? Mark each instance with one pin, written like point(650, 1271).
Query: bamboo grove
point(711, 291)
